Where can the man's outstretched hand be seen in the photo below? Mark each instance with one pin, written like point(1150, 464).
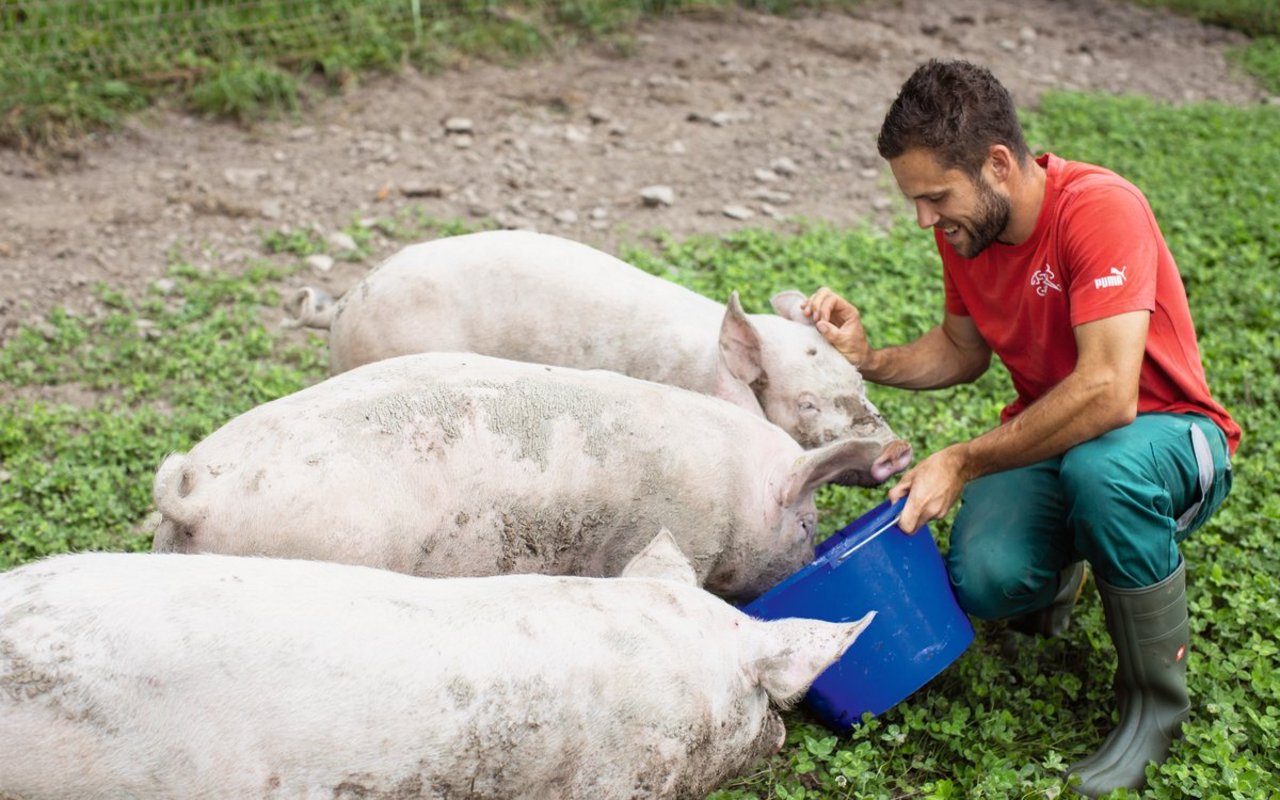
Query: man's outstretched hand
point(839, 323)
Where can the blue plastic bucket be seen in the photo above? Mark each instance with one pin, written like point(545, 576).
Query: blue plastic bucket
point(872, 565)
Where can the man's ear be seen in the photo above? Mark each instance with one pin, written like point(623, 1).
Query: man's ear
point(1002, 162)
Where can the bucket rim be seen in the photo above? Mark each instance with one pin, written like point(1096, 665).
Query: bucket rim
point(838, 547)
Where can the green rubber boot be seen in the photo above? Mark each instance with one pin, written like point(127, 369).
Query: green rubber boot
point(1055, 618)
point(1149, 629)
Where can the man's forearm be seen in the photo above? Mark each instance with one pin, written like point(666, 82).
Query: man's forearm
point(1073, 412)
point(934, 361)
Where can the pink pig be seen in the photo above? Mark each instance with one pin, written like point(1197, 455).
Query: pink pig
point(533, 297)
point(447, 464)
point(161, 676)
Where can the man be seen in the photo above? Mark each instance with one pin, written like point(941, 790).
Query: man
point(1113, 450)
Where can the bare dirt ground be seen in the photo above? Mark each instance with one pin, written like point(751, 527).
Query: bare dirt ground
point(747, 119)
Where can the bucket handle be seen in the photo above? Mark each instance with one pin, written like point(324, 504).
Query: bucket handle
point(890, 518)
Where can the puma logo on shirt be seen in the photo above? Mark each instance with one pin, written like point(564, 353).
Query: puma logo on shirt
point(1116, 278)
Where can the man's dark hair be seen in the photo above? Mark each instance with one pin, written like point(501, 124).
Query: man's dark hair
point(955, 109)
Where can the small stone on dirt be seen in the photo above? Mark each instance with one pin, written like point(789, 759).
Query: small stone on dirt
point(271, 209)
point(770, 196)
point(244, 177)
point(458, 125)
point(784, 166)
point(424, 190)
point(320, 262)
point(341, 241)
point(658, 195)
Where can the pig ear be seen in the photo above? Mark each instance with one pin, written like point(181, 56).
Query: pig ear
point(787, 304)
point(796, 651)
point(740, 344)
point(663, 559)
point(815, 468)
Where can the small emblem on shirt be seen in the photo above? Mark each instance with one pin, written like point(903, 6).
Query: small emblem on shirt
point(1043, 280)
point(1116, 278)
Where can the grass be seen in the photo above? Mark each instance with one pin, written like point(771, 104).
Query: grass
point(161, 372)
point(167, 369)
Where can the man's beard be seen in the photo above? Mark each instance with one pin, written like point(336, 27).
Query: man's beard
point(990, 220)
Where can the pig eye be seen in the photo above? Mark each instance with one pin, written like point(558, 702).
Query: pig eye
point(807, 406)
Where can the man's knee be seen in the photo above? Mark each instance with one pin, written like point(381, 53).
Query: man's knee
point(992, 586)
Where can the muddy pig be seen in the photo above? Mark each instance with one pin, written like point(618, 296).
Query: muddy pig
point(162, 676)
point(445, 464)
point(540, 298)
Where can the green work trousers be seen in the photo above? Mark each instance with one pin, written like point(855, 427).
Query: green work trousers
point(1122, 501)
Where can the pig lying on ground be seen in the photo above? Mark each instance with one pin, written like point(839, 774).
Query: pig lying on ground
point(158, 676)
point(539, 298)
point(446, 464)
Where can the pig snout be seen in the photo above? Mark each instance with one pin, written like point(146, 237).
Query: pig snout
point(891, 459)
point(895, 457)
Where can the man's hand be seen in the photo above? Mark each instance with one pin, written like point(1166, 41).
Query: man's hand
point(931, 487)
point(839, 323)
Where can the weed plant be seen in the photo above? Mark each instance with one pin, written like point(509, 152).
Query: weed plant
point(92, 405)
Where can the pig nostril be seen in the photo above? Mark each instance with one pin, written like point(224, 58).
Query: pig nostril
point(892, 460)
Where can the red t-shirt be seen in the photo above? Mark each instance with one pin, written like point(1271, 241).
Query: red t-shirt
point(1096, 252)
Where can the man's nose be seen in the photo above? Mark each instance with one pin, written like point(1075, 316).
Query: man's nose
point(926, 217)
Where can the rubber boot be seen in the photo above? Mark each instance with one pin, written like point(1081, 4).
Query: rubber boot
point(1149, 629)
point(1055, 618)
